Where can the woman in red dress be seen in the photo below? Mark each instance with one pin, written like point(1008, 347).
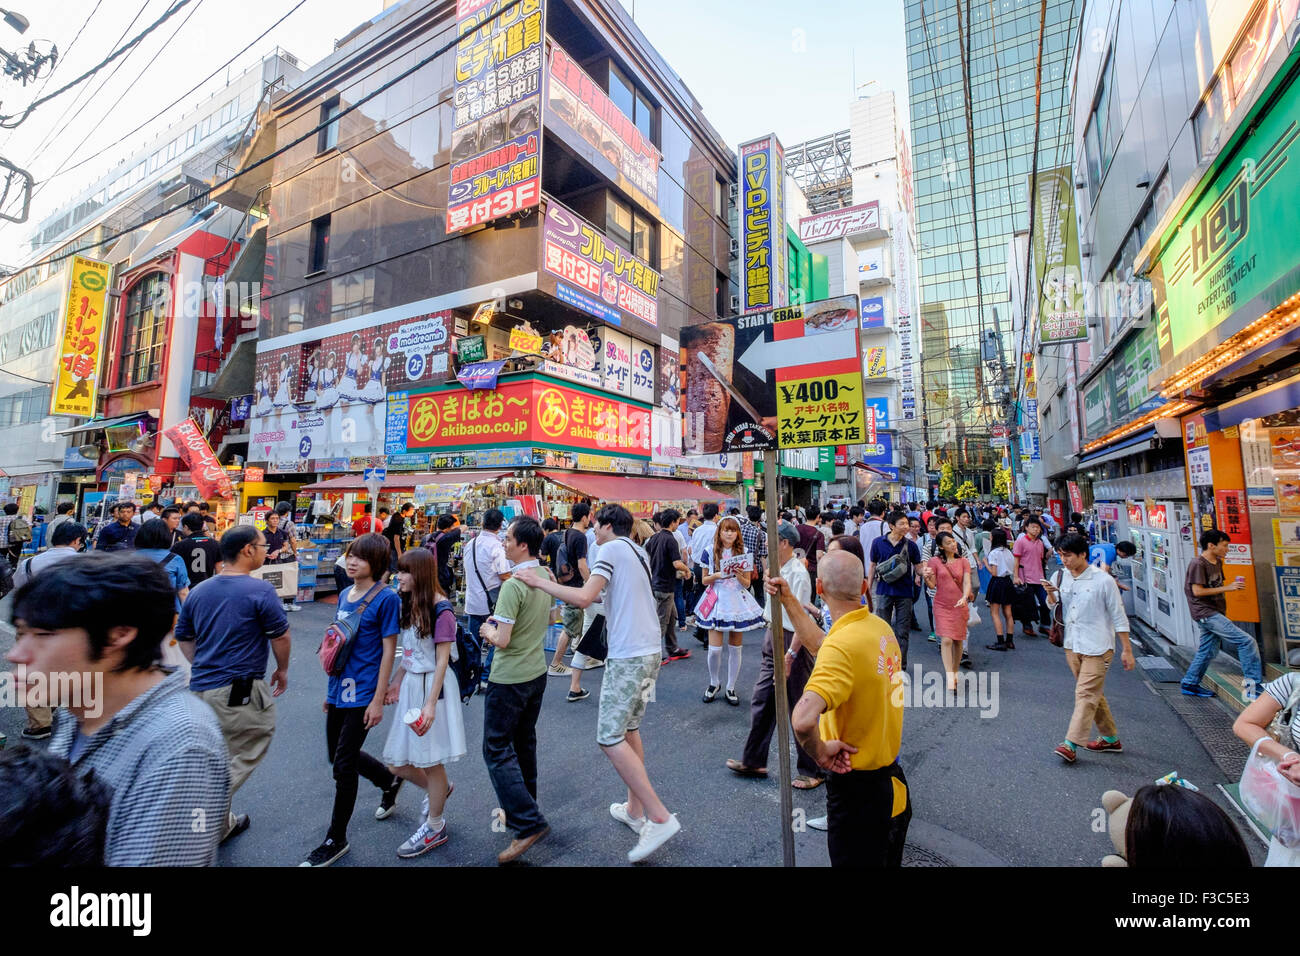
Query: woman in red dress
point(949, 575)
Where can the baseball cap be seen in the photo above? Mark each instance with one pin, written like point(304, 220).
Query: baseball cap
point(789, 533)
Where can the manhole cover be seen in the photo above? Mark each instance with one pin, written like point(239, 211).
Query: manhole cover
point(916, 856)
point(1158, 669)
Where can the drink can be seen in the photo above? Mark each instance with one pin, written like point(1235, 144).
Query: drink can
point(414, 718)
point(1241, 579)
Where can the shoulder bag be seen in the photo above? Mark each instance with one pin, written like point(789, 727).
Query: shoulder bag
point(341, 636)
point(595, 642)
point(1056, 634)
point(493, 594)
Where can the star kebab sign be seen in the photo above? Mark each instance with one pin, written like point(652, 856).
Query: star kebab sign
point(788, 378)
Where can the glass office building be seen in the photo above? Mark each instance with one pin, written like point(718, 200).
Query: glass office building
point(961, 403)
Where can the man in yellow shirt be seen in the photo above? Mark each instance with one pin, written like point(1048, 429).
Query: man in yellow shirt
point(850, 718)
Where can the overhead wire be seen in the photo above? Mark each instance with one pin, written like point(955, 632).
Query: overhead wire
point(13, 120)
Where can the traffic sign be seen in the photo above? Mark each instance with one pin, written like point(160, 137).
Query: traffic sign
point(374, 474)
point(788, 378)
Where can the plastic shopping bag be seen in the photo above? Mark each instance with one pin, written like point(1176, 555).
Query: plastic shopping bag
point(973, 615)
point(1271, 797)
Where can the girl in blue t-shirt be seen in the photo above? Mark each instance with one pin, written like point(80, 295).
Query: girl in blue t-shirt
point(354, 700)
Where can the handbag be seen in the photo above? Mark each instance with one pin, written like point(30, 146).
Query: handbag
point(595, 642)
point(341, 636)
point(973, 615)
point(707, 603)
point(1056, 634)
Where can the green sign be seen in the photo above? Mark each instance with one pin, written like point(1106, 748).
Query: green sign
point(1119, 393)
point(1056, 260)
point(1237, 238)
point(471, 348)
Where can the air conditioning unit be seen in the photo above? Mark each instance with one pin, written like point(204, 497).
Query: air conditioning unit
point(733, 191)
point(735, 248)
point(735, 303)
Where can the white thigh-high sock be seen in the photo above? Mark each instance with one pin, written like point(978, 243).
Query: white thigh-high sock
point(715, 665)
point(733, 665)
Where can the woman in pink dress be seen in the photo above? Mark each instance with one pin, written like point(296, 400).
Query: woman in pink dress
point(949, 575)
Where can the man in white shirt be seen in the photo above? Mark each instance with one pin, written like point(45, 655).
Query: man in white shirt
point(486, 568)
point(622, 571)
point(798, 666)
point(873, 527)
point(1093, 614)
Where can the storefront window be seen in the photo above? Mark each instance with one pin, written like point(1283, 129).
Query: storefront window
point(1252, 51)
point(1209, 121)
point(143, 331)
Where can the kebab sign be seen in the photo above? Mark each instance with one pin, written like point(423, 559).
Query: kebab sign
point(787, 378)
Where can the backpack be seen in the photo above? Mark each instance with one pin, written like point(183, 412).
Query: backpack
point(467, 656)
point(564, 572)
point(19, 530)
point(897, 565)
point(341, 636)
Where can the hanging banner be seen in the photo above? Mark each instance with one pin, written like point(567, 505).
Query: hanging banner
point(873, 313)
point(496, 139)
point(76, 376)
point(1056, 260)
point(480, 374)
point(205, 471)
point(762, 222)
point(839, 224)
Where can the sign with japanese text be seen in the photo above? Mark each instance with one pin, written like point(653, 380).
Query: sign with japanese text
point(254, 474)
point(840, 224)
point(471, 348)
point(205, 471)
point(534, 411)
point(1230, 512)
point(762, 225)
point(1076, 496)
point(876, 362)
point(1056, 260)
point(643, 372)
point(575, 99)
point(616, 362)
point(76, 377)
point(524, 339)
point(496, 139)
point(789, 378)
point(593, 273)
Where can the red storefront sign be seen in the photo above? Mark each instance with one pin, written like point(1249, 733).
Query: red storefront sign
point(1057, 507)
point(1076, 497)
point(529, 412)
point(208, 475)
point(1230, 510)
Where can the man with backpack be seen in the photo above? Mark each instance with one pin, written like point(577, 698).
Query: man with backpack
point(441, 543)
point(874, 527)
point(14, 533)
point(893, 564)
point(569, 565)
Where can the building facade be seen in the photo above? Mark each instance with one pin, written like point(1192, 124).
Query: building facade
point(962, 302)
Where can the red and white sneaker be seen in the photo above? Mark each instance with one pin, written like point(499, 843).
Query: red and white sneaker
point(423, 840)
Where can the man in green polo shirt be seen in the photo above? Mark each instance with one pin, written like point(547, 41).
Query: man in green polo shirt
point(517, 629)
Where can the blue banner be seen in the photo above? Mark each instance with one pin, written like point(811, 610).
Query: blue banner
point(873, 313)
point(881, 405)
point(881, 453)
point(481, 375)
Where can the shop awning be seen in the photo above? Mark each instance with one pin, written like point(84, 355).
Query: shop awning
point(95, 423)
point(408, 481)
point(632, 487)
point(1133, 445)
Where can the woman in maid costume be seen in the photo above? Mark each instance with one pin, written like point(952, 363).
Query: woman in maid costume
point(263, 406)
point(282, 398)
point(314, 371)
point(353, 364)
point(375, 394)
point(327, 383)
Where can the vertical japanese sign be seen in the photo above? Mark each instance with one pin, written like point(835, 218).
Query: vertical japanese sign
point(76, 378)
point(208, 475)
point(1234, 520)
point(496, 140)
point(1056, 260)
point(762, 227)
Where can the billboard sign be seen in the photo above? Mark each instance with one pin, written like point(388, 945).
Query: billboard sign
point(583, 268)
point(496, 138)
point(76, 376)
point(790, 378)
point(576, 100)
point(762, 225)
point(840, 224)
point(873, 312)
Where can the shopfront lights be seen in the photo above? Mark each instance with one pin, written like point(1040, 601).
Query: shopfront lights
point(1263, 330)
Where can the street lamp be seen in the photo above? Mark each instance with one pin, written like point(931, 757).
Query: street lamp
point(16, 20)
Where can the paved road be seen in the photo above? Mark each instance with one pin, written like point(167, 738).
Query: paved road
point(986, 790)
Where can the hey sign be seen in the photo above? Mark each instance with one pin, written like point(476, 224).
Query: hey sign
point(789, 378)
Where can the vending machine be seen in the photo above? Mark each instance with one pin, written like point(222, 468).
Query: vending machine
point(1112, 522)
point(1141, 563)
point(1164, 554)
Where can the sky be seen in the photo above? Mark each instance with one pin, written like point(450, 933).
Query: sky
point(795, 78)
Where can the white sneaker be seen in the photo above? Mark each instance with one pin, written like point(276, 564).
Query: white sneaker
point(818, 823)
point(559, 670)
point(653, 836)
point(619, 812)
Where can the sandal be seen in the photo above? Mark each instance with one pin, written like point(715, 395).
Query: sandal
point(806, 783)
point(738, 768)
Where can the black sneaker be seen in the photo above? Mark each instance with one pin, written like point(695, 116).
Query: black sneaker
point(388, 802)
point(325, 854)
point(966, 661)
point(40, 733)
point(241, 824)
point(576, 695)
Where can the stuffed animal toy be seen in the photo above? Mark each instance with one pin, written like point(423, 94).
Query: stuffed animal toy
point(1117, 806)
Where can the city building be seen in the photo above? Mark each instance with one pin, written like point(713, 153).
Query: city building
point(870, 250)
point(140, 342)
point(1183, 400)
point(964, 295)
point(534, 211)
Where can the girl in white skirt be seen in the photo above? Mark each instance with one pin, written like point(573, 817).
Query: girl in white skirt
point(428, 685)
point(727, 607)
